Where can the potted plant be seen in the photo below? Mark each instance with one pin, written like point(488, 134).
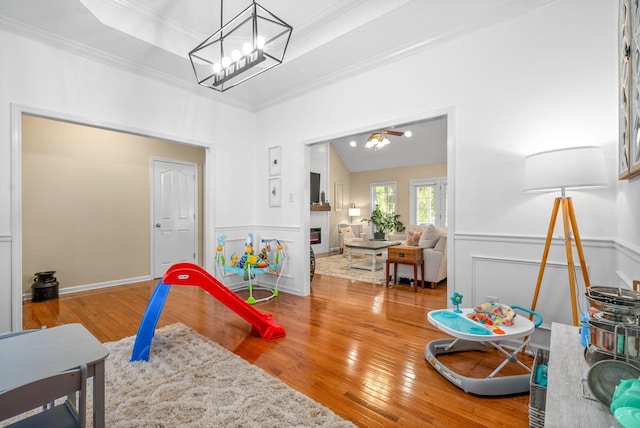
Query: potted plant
point(384, 223)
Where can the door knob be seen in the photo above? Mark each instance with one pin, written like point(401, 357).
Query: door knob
point(157, 224)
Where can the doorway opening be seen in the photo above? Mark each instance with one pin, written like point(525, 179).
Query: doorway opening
point(86, 200)
point(429, 153)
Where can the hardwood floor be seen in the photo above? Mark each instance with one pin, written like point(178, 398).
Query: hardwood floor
point(355, 347)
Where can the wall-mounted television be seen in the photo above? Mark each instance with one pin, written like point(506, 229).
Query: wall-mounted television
point(314, 195)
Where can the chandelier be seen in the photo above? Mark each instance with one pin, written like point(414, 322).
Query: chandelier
point(378, 140)
point(251, 43)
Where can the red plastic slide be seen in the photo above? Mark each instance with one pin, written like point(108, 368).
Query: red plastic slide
point(191, 274)
point(194, 275)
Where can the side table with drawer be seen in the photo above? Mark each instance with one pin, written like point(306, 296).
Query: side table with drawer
point(407, 255)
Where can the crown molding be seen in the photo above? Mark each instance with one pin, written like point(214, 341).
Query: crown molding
point(408, 49)
point(101, 57)
point(465, 27)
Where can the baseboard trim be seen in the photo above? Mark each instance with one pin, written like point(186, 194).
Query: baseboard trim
point(96, 286)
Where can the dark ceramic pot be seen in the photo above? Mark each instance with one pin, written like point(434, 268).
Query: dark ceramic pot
point(44, 287)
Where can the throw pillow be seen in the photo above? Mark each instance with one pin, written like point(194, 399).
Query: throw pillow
point(440, 245)
point(346, 231)
point(413, 237)
point(430, 236)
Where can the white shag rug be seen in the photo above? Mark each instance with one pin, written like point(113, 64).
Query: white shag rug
point(191, 381)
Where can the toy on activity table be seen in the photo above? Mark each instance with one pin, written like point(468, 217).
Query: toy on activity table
point(250, 264)
point(456, 299)
point(493, 314)
point(484, 319)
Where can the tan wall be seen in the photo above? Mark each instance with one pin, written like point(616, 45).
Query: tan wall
point(338, 172)
point(357, 189)
point(86, 197)
point(361, 185)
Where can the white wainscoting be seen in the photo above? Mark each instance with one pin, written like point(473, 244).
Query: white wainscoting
point(7, 315)
point(516, 280)
point(628, 264)
point(507, 267)
point(295, 279)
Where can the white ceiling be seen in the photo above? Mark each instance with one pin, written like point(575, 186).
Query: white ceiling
point(331, 39)
point(427, 144)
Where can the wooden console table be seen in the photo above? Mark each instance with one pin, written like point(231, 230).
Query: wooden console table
point(566, 405)
point(405, 255)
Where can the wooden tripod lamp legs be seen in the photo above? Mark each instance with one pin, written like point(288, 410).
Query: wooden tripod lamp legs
point(570, 224)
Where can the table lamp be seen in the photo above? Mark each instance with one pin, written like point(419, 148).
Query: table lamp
point(565, 169)
point(353, 212)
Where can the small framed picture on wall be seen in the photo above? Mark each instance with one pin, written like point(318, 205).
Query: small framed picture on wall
point(275, 160)
point(275, 192)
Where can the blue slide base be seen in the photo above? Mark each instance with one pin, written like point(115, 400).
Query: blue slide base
point(149, 321)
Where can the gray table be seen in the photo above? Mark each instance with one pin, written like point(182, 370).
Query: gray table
point(370, 247)
point(28, 357)
point(566, 406)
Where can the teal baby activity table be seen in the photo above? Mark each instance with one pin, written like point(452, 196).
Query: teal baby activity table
point(470, 335)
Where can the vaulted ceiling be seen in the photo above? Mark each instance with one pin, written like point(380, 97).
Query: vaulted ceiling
point(427, 144)
point(331, 39)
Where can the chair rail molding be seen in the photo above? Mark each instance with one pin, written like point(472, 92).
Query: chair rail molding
point(530, 239)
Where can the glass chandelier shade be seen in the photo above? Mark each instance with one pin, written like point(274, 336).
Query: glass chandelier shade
point(250, 44)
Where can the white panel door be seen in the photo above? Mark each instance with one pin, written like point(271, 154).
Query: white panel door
point(174, 214)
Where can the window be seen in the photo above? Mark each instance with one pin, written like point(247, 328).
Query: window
point(384, 195)
point(429, 202)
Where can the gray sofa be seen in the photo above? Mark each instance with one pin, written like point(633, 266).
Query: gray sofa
point(434, 242)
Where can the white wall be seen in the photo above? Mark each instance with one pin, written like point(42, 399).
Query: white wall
point(544, 80)
point(319, 162)
point(42, 79)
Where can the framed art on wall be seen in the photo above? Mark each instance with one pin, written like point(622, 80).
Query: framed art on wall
point(624, 83)
point(275, 160)
point(628, 89)
point(275, 192)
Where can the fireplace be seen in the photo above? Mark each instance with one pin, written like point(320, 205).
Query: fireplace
point(315, 235)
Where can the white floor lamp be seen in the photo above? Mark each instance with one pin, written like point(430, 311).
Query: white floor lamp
point(562, 169)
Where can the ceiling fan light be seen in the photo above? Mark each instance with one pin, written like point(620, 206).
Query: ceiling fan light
point(408, 134)
point(378, 140)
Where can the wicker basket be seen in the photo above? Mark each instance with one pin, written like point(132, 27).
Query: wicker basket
point(537, 393)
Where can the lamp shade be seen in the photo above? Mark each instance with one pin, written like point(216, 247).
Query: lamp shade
point(354, 212)
point(570, 168)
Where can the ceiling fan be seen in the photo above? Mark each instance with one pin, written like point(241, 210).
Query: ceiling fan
point(378, 140)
